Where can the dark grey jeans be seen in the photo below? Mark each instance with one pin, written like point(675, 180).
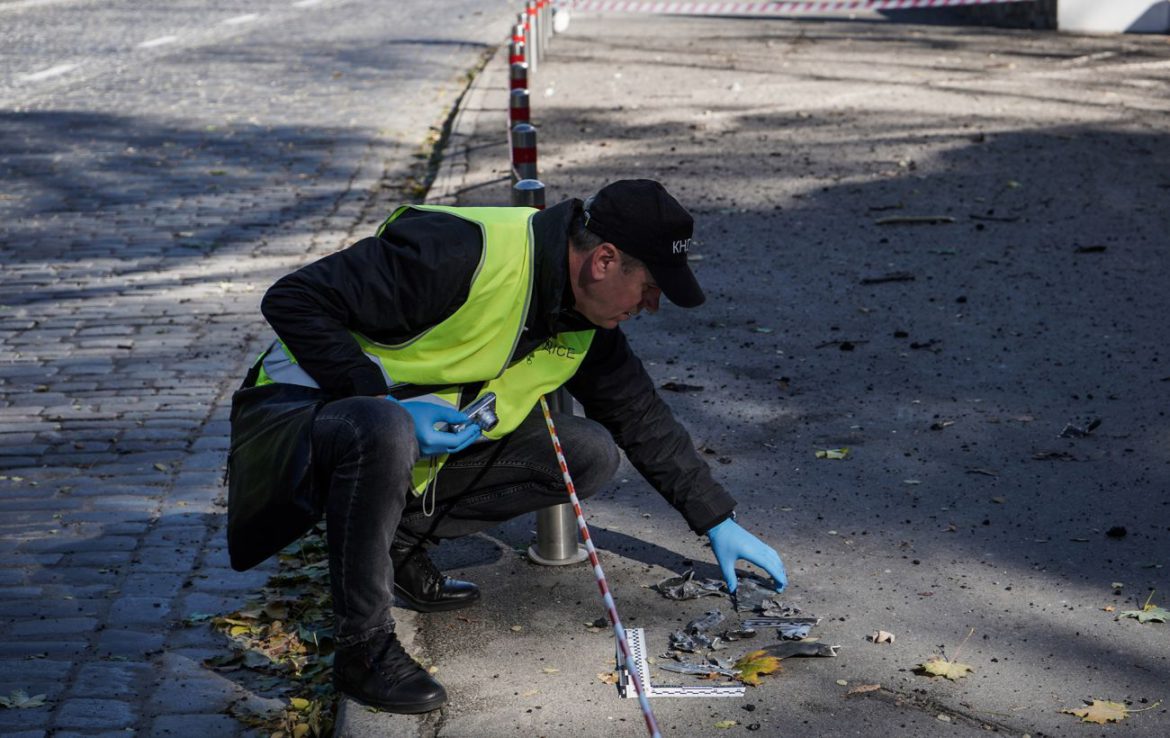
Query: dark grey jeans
point(363, 452)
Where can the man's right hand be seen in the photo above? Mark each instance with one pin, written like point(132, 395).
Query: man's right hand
point(430, 424)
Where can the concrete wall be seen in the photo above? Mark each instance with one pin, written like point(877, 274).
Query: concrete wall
point(1114, 16)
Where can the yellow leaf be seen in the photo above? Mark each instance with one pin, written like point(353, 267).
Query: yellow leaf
point(939, 666)
point(726, 724)
point(300, 731)
point(1100, 712)
point(754, 665)
point(299, 703)
point(608, 677)
point(238, 630)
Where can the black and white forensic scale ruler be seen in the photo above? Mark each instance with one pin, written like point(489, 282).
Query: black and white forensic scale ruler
point(636, 640)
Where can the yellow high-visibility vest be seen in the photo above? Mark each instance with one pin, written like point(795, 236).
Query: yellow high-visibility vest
point(476, 343)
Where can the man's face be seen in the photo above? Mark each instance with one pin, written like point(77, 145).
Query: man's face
point(616, 292)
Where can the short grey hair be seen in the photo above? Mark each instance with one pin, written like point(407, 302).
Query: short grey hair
point(584, 240)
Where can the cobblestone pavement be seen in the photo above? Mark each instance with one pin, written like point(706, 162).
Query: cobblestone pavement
point(147, 199)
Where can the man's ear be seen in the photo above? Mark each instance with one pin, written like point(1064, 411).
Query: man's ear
point(604, 259)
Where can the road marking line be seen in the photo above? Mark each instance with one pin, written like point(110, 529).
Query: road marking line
point(160, 41)
point(47, 73)
point(240, 19)
point(22, 4)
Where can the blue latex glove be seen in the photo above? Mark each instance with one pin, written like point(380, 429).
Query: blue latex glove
point(430, 424)
point(732, 543)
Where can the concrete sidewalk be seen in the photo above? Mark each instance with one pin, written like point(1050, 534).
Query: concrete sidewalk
point(948, 358)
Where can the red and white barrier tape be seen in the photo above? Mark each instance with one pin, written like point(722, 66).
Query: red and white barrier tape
point(611, 608)
point(775, 8)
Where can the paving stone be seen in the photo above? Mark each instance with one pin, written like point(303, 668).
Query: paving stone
point(166, 560)
point(56, 649)
point(10, 577)
point(204, 692)
point(139, 611)
point(100, 559)
point(33, 685)
point(160, 585)
point(207, 603)
point(228, 580)
point(30, 608)
point(130, 644)
point(44, 669)
point(176, 536)
point(53, 626)
point(105, 678)
point(74, 575)
point(178, 726)
point(93, 713)
point(31, 718)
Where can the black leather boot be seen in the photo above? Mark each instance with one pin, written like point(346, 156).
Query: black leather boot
point(420, 586)
point(380, 673)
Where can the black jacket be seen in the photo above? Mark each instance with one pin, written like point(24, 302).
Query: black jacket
point(418, 272)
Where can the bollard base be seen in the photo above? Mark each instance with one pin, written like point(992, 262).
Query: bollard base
point(576, 558)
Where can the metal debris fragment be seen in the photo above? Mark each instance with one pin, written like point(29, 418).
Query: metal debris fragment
point(788, 649)
point(1073, 431)
point(687, 587)
point(687, 667)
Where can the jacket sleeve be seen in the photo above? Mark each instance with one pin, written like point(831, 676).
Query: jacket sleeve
point(615, 390)
point(388, 289)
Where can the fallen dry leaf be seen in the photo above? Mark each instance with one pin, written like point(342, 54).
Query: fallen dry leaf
point(863, 688)
point(607, 677)
point(833, 453)
point(19, 700)
point(726, 724)
point(1148, 614)
point(881, 636)
point(939, 666)
point(754, 665)
point(1100, 712)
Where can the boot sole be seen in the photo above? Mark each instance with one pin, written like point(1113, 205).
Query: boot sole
point(406, 602)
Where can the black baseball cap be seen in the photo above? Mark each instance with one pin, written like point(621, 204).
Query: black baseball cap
point(641, 218)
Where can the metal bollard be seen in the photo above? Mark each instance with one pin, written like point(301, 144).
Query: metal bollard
point(528, 193)
point(518, 76)
point(517, 52)
point(545, 22)
point(518, 110)
point(529, 41)
point(534, 31)
point(523, 152)
point(556, 526)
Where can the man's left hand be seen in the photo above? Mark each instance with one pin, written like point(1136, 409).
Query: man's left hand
point(731, 542)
